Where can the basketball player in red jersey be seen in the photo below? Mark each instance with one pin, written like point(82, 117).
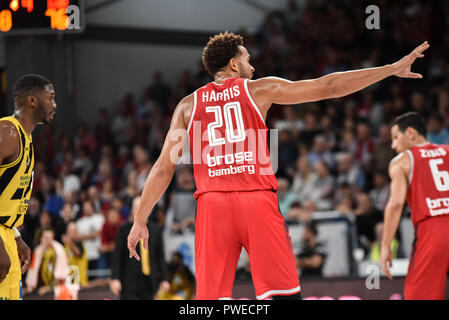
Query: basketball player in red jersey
point(236, 188)
point(420, 175)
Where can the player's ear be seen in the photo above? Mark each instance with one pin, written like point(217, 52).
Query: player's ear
point(32, 101)
point(233, 65)
point(411, 133)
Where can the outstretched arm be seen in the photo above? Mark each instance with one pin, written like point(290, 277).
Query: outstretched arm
point(270, 90)
point(393, 211)
point(160, 176)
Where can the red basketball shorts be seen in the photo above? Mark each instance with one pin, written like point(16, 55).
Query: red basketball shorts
point(225, 222)
point(429, 261)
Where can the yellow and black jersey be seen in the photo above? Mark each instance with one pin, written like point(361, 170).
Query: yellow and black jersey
point(16, 180)
point(80, 262)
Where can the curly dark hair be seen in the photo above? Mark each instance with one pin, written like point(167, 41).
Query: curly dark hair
point(219, 50)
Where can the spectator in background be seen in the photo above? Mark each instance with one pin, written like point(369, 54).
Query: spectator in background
point(56, 200)
point(287, 150)
point(366, 218)
point(70, 181)
point(31, 222)
point(49, 265)
point(129, 192)
point(437, 133)
point(348, 143)
point(102, 130)
point(107, 236)
point(124, 210)
point(344, 190)
point(345, 205)
point(104, 173)
point(350, 172)
point(365, 145)
point(182, 203)
point(328, 131)
point(374, 254)
point(142, 166)
point(323, 188)
point(311, 129)
point(89, 229)
point(310, 259)
point(304, 178)
point(321, 152)
point(181, 280)
point(381, 191)
point(83, 165)
point(107, 194)
point(302, 213)
point(45, 222)
point(76, 252)
point(66, 216)
point(71, 198)
point(139, 280)
point(84, 138)
point(285, 197)
point(383, 153)
point(121, 161)
point(93, 194)
point(291, 122)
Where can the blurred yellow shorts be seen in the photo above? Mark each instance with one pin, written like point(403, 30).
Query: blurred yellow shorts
point(11, 286)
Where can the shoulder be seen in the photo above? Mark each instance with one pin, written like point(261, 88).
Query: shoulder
point(400, 163)
point(400, 159)
point(9, 139)
point(265, 83)
point(8, 132)
point(184, 109)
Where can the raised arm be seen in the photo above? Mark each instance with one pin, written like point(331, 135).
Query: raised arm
point(398, 171)
point(266, 91)
point(161, 174)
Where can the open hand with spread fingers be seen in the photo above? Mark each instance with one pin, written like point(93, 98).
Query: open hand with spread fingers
point(402, 68)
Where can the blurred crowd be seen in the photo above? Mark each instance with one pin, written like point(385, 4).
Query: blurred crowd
point(333, 155)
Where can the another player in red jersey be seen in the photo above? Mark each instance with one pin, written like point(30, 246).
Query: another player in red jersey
point(236, 186)
point(420, 175)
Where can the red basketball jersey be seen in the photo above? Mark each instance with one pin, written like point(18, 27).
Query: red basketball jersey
point(228, 140)
point(428, 193)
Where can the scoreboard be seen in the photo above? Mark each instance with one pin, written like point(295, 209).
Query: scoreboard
point(41, 16)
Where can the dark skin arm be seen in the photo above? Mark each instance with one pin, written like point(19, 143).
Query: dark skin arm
point(24, 254)
point(9, 151)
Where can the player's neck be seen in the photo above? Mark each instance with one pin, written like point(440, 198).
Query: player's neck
point(222, 76)
point(25, 119)
point(420, 141)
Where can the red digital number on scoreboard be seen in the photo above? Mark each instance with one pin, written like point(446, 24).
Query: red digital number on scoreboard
point(5, 20)
point(28, 4)
point(57, 4)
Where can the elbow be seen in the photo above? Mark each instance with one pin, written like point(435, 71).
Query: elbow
point(395, 205)
point(163, 169)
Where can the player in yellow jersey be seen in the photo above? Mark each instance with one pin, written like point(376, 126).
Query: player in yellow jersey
point(34, 103)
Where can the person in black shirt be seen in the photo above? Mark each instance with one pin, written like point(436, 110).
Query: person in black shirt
point(310, 259)
point(129, 280)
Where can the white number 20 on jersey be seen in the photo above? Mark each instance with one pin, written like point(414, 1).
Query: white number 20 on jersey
point(441, 178)
point(233, 135)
